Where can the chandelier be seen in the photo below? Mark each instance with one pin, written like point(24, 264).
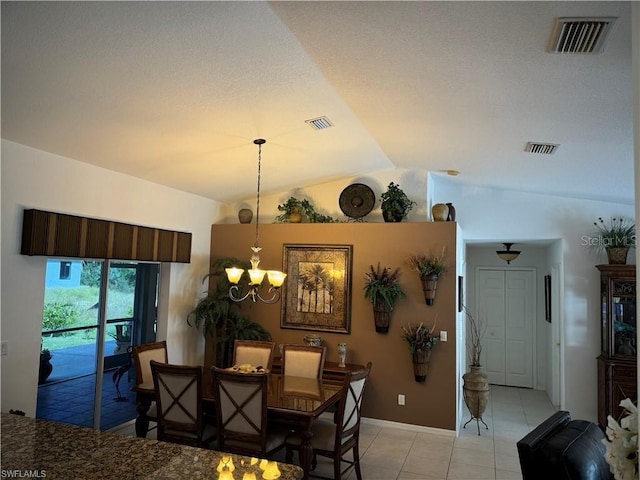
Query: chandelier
point(256, 276)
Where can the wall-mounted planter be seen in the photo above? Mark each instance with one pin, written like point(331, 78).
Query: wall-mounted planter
point(421, 359)
point(382, 317)
point(429, 285)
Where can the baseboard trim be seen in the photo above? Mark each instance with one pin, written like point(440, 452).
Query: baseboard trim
point(408, 426)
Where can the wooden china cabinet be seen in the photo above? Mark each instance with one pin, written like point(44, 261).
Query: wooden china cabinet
point(617, 361)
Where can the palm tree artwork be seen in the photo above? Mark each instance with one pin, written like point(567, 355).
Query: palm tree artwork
point(315, 287)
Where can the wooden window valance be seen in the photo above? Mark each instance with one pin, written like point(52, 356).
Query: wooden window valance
point(60, 235)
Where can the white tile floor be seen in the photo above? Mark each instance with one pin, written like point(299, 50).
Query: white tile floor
point(398, 454)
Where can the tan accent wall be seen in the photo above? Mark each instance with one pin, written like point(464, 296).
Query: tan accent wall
point(431, 404)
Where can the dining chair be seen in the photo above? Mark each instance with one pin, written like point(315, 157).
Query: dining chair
point(303, 360)
point(334, 440)
point(142, 356)
point(254, 352)
point(178, 393)
point(241, 408)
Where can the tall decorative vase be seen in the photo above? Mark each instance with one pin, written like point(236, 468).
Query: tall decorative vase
point(439, 212)
point(452, 213)
point(617, 255)
point(421, 360)
point(382, 316)
point(342, 354)
point(429, 284)
point(476, 394)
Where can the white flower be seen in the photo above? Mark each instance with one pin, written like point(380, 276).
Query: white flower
point(622, 448)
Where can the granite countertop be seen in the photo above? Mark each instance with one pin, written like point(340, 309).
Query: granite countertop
point(44, 449)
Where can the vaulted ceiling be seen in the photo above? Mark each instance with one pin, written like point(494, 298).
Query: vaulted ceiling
point(175, 92)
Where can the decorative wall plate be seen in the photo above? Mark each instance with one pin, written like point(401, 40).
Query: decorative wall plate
point(357, 200)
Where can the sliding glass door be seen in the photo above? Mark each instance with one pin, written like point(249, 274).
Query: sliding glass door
point(94, 312)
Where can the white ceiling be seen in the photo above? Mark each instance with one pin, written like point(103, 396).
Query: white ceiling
point(175, 92)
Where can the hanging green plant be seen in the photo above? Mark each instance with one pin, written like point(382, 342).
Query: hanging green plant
point(383, 289)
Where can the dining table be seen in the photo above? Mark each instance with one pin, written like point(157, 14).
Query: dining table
point(294, 402)
point(35, 448)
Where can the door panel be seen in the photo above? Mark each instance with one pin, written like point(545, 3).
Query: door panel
point(520, 309)
point(491, 311)
point(505, 300)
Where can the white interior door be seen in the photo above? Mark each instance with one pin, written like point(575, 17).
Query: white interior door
point(506, 303)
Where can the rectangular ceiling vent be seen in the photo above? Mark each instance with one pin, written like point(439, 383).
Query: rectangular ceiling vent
point(542, 148)
point(580, 34)
point(319, 123)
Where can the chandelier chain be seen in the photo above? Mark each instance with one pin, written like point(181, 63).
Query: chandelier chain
point(258, 192)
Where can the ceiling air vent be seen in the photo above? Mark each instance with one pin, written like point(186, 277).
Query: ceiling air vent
point(580, 34)
point(319, 123)
point(542, 148)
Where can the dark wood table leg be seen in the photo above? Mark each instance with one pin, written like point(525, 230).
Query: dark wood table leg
point(142, 421)
point(306, 451)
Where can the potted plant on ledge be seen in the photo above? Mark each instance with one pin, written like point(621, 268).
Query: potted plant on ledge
point(395, 204)
point(429, 268)
point(383, 289)
point(421, 340)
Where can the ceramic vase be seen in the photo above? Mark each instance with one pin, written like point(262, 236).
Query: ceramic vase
point(245, 215)
point(451, 217)
point(476, 392)
point(439, 212)
point(342, 354)
point(421, 360)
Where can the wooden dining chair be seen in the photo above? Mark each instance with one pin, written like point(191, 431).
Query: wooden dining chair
point(303, 360)
point(178, 392)
point(254, 352)
point(142, 356)
point(334, 440)
point(241, 407)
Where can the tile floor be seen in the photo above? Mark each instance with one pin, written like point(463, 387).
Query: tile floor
point(71, 401)
point(399, 454)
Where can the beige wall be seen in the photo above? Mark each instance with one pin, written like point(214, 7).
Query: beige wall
point(432, 404)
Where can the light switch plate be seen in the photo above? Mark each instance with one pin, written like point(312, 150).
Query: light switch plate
point(443, 336)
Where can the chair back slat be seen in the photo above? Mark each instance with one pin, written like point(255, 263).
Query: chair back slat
point(254, 352)
point(142, 356)
point(303, 360)
point(350, 409)
point(241, 407)
point(178, 394)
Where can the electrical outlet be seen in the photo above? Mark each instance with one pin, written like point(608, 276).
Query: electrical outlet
point(400, 399)
point(443, 336)
point(4, 347)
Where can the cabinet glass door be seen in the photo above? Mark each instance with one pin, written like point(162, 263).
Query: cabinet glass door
point(623, 314)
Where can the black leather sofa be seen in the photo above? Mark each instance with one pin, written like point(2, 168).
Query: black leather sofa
point(564, 449)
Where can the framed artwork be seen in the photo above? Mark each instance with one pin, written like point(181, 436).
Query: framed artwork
point(317, 293)
point(547, 298)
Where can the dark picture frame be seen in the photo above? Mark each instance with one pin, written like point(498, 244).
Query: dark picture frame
point(547, 298)
point(317, 292)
